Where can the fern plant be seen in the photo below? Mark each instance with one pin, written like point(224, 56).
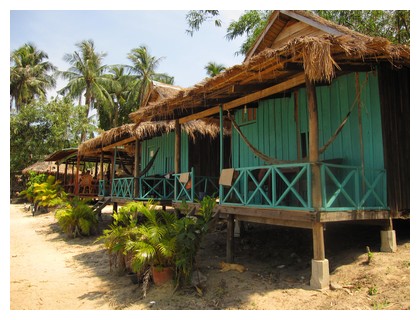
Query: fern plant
point(77, 218)
point(122, 229)
point(155, 240)
point(49, 193)
point(190, 231)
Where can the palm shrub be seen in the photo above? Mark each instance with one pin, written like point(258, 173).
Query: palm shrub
point(34, 178)
point(122, 229)
point(190, 231)
point(49, 193)
point(155, 241)
point(77, 218)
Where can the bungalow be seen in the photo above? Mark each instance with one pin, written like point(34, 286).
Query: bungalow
point(320, 130)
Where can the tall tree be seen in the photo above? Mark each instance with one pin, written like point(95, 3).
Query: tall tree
point(116, 113)
point(391, 24)
point(30, 75)
point(213, 68)
point(86, 77)
point(144, 68)
point(41, 128)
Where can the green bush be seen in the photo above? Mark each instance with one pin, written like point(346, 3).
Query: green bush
point(122, 229)
point(77, 218)
point(44, 191)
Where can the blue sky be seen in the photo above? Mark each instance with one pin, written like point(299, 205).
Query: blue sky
point(116, 32)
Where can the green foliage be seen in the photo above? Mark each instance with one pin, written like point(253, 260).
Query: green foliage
point(30, 76)
point(213, 69)
point(42, 128)
point(34, 178)
point(155, 241)
point(250, 24)
point(190, 231)
point(391, 24)
point(49, 193)
point(195, 18)
point(122, 229)
point(77, 218)
point(142, 236)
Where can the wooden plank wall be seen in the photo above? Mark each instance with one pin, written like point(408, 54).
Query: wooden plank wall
point(164, 161)
point(394, 88)
point(274, 131)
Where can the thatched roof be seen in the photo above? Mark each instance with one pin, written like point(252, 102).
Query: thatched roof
point(319, 57)
point(147, 130)
point(47, 167)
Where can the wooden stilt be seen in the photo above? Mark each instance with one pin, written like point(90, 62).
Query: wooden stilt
point(318, 241)
point(320, 267)
point(230, 238)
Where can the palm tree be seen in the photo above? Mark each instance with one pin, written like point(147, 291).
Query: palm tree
point(213, 68)
point(116, 114)
point(144, 69)
point(29, 75)
point(86, 76)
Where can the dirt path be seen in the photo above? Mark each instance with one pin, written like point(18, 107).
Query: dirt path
point(44, 272)
point(48, 271)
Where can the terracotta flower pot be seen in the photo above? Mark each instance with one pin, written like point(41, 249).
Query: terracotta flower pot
point(162, 275)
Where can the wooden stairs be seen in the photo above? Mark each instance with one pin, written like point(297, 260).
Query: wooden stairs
point(98, 206)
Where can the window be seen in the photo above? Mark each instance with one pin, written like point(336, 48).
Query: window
point(249, 114)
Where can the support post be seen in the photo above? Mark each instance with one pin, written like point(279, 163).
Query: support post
point(177, 163)
point(76, 182)
point(136, 168)
point(230, 238)
point(388, 238)
point(221, 155)
point(221, 137)
point(320, 277)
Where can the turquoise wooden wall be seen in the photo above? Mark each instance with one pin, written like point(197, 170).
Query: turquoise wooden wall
point(164, 161)
point(275, 131)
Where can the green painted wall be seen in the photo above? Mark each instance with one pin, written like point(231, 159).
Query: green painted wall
point(275, 131)
point(164, 161)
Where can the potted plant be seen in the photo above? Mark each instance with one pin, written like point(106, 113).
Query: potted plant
point(155, 244)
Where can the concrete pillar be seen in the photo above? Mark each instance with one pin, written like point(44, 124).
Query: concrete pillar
point(237, 229)
point(320, 277)
point(388, 241)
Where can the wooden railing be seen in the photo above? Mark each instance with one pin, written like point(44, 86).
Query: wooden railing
point(275, 186)
point(351, 187)
point(288, 186)
point(189, 187)
point(157, 188)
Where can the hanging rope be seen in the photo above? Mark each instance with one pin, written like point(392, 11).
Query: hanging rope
point(270, 160)
point(258, 153)
point(149, 165)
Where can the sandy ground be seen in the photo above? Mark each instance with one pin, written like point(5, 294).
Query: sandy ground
point(49, 271)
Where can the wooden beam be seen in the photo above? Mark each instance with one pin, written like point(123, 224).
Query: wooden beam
point(353, 215)
point(119, 143)
point(283, 86)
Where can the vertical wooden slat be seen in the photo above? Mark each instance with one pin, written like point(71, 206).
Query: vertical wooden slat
point(177, 163)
